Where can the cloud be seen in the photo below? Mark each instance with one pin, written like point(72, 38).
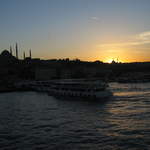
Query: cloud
point(139, 39)
point(94, 18)
point(144, 36)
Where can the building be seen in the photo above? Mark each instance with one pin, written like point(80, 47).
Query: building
point(6, 57)
point(45, 73)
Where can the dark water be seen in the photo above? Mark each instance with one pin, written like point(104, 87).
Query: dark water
point(30, 121)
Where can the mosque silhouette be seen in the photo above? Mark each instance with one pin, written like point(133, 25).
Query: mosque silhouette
point(8, 54)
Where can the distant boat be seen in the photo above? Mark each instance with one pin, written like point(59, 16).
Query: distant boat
point(134, 79)
point(80, 88)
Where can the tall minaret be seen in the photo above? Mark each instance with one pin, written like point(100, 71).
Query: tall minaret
point(24, 55)
point(30, 54)
point(10, 50)
point(16, 50)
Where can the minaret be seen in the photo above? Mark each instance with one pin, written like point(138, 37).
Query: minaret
point(24, 55)
point(16, 50)
point(30, 54)
point(10, 50)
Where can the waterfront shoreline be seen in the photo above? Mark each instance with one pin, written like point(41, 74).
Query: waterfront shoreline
point(14, 89)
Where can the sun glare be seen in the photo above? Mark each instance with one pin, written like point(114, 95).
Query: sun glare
point(109, 60)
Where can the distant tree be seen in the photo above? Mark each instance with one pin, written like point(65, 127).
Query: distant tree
point(67, 59)
point(98, 62)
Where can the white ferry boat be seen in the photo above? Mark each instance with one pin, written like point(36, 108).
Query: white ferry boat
point(80, 88)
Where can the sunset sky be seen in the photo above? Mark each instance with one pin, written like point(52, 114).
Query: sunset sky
point(85, 29)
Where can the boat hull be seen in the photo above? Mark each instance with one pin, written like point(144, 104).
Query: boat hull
point(81, 95)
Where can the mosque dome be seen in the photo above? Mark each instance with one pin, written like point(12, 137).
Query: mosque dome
point(5, 53)
point(6, 57)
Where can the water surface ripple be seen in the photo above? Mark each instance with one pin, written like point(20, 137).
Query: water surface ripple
point(32, 121)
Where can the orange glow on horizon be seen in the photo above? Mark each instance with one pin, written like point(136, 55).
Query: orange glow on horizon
point(106, 55)
point(121, 58)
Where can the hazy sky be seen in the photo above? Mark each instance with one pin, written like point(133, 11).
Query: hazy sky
point(85, 29)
